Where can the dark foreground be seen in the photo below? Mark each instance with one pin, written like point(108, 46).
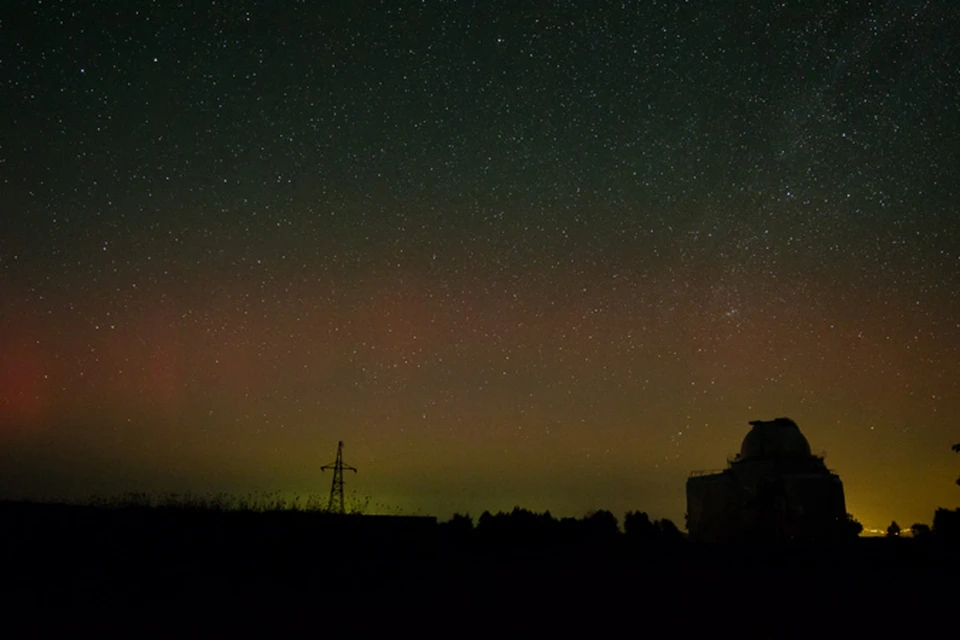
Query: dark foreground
point(193, 572)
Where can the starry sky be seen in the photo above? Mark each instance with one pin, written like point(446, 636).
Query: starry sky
point(547, 254)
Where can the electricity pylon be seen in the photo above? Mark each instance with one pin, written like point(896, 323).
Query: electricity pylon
point(336, 489)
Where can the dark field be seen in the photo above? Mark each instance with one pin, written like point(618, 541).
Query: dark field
point(198, 572)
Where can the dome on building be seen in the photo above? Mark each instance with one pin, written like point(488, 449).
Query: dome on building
point(774, 439)
point(773, 491)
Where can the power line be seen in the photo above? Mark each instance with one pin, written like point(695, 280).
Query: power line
point(336, 489)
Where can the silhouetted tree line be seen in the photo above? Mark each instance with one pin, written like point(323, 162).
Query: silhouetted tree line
point(946, 525)
point(945, 530)
point(524, 528)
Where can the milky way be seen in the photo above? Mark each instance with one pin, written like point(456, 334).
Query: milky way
point(553, 256)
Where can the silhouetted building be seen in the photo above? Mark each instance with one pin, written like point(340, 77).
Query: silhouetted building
point(774, 490)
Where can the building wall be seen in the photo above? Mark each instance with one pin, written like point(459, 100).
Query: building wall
point(711, 515)
point(820, 502)
point(758, 503)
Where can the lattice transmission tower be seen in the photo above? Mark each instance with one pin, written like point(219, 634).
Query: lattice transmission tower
point(336, 504)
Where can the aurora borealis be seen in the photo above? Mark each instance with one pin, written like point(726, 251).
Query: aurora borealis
point(553, 255)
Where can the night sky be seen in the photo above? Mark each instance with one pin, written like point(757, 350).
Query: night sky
point(539, 254)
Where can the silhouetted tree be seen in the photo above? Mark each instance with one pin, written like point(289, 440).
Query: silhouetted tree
point(459, 527)
point(570, 530)
point(850, 528)
point(893, 531)
point(520, 526)
point(920, 531)
point(669, 531)
point(946, 526)
point(637, 526)
point(461, 521)
point(600, 525)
